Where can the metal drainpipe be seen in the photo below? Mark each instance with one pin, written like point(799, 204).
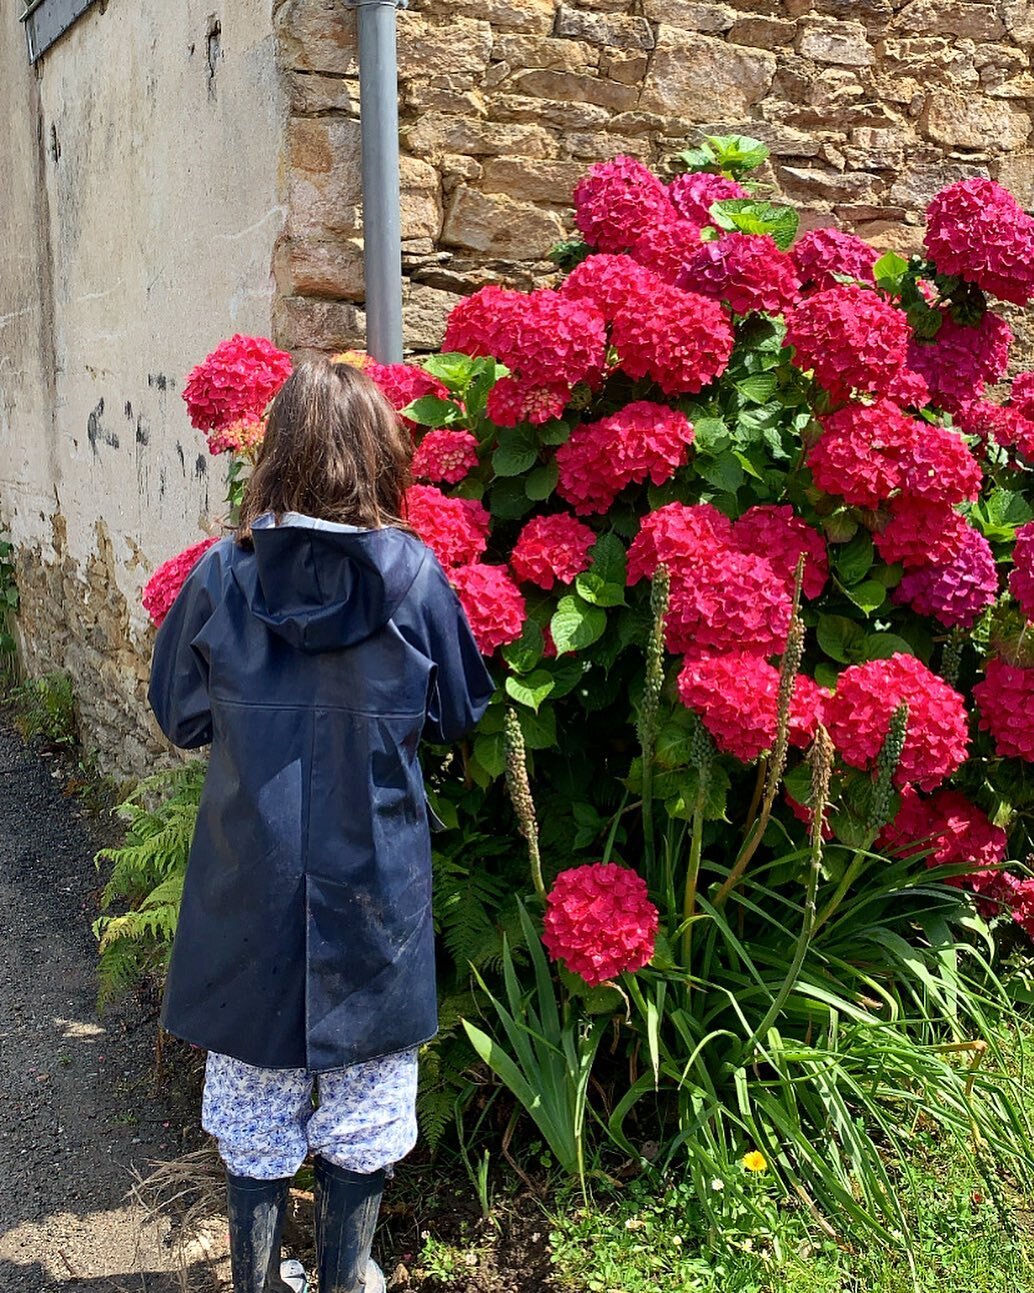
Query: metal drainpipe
point(382, 220)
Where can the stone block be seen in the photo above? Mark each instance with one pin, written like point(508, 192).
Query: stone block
point(534, 16)
point(804, 183)
point(874, 13)
point(524, 52)
point(456, 166)
point(1016, 173)
point(697, 76)
point(498, 226)
point(532, 181)
point(917, 184)
point(325, 179)
point(317, 36)
point(626, 66)
point(419, 97)
point(1018, 87)
point(420, 205)
point(889, 235)
point(601, 146)
point(425, 311)
point(313, 93)
point(1019, 20)
point(463, 46)
point(326, 269)
point(763, 33)
point(622, 31)
point(302, 323)
point(549, 113)
point(971, 121)
point(832, 41)
point(690, 16)
point(966, 18)
point(435, 134)
point(570, 88)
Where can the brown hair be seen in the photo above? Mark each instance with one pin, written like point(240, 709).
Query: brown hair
point(334, 448)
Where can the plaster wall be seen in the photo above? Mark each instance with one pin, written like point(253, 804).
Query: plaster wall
point(141, 202)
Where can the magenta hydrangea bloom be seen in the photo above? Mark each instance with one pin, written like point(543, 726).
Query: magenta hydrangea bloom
point(746, 271)
point(616, 201)
point(961, 360)
point(977, 230)
point(824, 257)
point(957, 592)
point(1021, 578)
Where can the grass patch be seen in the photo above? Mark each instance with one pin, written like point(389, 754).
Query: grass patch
point(650, 1241)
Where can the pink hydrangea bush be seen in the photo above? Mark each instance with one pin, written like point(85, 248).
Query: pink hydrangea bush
point(768, 422)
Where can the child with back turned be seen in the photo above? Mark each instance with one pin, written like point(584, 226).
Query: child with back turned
point(313, 650)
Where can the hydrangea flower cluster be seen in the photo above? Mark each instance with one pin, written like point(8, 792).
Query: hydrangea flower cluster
point(863, 452)
point(694, 195)
point(675, 534)
point(1005, 699)
point(825, 257)
point(643, 441)
point(1006, 423)
point(551, 549)
point(977, 230)
point(678, 339)
point(493, 604)
point(722, 598)
point(227, 394)
point(610, 282)
point(600, 921)
point(962, 360)
point(727, 601)
point(549, 341)
point(615, 200)
point(921, 533)
point(955, 593)
point(445, 455)
point(401, 384)
point(162, 589)
point(736, 694)
point(859, 714)
point(1021, 577)
point(455, 529)
point(784, 538)
point(953, 832)
point(851, 338)
point(665, 248)
point(747, 272)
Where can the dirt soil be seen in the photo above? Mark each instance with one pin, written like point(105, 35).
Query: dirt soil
point(79, 1112)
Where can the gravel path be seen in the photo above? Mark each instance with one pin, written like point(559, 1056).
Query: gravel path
point(77, 1107)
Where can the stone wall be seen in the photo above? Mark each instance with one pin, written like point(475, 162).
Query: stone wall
point(868, 106)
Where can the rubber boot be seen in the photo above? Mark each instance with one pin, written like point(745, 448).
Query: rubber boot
point(256, 1212)
point(347, 1204)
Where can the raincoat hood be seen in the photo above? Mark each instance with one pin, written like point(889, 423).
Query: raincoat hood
point(322, 586)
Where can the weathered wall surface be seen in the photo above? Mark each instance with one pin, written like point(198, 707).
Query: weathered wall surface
point(868, 106)
point(142, 195)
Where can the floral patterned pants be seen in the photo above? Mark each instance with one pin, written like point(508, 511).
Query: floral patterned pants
point(265, 1122)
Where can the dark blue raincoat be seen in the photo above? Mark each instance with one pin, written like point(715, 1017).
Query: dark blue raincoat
point(313, 665)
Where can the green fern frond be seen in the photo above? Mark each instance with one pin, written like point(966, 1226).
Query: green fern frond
point(148, 873)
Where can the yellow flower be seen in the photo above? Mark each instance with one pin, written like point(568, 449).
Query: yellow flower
point(355, 358)
point(755, 1162)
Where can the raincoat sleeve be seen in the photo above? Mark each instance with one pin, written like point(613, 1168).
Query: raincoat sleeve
point(179, 671)
point(461, 686)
